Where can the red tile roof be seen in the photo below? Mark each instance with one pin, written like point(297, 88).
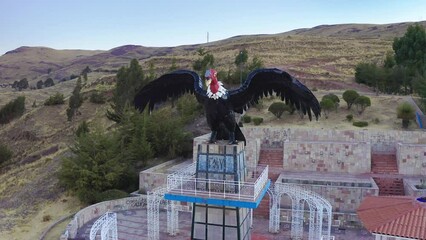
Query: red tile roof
point(395, 216)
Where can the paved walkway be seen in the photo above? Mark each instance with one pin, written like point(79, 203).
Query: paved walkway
point(132, 225)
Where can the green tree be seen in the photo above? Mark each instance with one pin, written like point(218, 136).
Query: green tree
point(56, 99)
point(151, 71)
point(256, 63)
point(334, 98)
point(84, 73)
point(129, 81)
point(39, 84)
point(82, 128)
point(362, 102)
point(49, 82)
point(173, 67)
point(94, 167)
point(204, 62)
point(133, 138)
point(405, 112)
point(22, 84)
point(410, 49)
point(326, 106)
point(241, 61)
point(166, 134)
point(410, 53)
point(389, 60)
point(349, 96)
point(278, 108)
point(75, 101)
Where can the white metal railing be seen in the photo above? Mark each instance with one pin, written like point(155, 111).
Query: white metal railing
point(105, 223)
point(261, 181)
point(188, 185)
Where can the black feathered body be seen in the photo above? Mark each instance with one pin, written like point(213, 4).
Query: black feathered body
point(220, 113)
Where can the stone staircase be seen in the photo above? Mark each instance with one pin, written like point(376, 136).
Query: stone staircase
point(390, 186)
point(386, 165)
point(274, 158)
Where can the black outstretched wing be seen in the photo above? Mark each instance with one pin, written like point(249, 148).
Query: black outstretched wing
point(263, 82)
point(172, 84)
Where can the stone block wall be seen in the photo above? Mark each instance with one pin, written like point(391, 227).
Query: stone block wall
point(411, 158)
point(343, 199)
point(345, 157)
point(251, 154)
point(411, 190)
point(275, 134)
point(154, 177)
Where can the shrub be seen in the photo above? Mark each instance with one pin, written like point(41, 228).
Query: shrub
point(257, 120)
point(97, 98)
point(326, 105)
point(376, 120)
point(83, 128)
point(56, 99)
point(405, 112)
point(278, 108)
point(111, 195)
point(360, 124)
point(188, 107)
point(47, 218)
point(349, 96)
point(332, 97)
point(5, 153)
point(349, 117)
point(12, 109)
point(246, 118)
point(362, 102)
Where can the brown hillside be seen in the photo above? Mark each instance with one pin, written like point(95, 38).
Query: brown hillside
point(326, 52)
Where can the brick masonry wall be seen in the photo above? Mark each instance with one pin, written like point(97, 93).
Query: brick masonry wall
point(346, 157)
point(411, 158)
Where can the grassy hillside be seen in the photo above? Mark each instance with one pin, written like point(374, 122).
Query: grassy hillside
point(323, 57)
point(302, 51)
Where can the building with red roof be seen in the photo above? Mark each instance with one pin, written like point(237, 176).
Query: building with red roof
point(394, 217)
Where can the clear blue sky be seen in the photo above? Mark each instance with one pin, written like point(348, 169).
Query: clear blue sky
point(105, 24)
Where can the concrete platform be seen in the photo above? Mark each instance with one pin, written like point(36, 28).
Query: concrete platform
point(132, 225)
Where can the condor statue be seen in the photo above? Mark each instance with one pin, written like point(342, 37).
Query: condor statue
point(220, 104)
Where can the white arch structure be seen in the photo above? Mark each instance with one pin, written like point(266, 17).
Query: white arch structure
point(155, 197)
point(318, 206)
point(108, 226)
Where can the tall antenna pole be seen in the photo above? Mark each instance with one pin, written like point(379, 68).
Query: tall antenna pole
point(207, 37)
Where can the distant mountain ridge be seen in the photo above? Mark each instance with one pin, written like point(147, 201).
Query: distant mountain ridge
point(35, 63)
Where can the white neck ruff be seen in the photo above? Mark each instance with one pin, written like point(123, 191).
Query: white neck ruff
point(220, 93)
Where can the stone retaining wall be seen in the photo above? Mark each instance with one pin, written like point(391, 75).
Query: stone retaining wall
point(346, 157)
point(411, 158)
point(411, 190)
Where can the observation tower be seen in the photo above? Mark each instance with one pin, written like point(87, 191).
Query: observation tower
point(222, 190)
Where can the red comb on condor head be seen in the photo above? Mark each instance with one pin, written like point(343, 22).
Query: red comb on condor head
point(214, 84)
